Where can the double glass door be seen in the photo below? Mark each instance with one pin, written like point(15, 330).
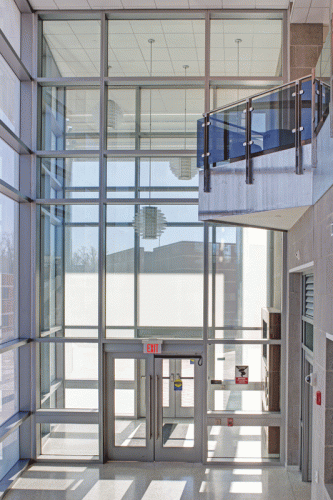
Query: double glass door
point(153, 410)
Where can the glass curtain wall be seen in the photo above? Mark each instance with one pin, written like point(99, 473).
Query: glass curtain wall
point(122, 253)
point(10, 345)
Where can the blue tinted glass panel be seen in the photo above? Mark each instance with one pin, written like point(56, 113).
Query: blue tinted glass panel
point(227, 134)
point(273, 119)
point(306, 109)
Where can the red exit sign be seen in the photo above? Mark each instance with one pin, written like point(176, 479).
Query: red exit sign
point(152, 348)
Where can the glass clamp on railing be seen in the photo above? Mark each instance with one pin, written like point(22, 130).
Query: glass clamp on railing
point(248, 143)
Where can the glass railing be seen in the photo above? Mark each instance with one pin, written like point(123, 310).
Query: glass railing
point(277, 119)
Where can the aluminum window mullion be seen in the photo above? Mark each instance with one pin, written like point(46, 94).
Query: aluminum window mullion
point(12, 59)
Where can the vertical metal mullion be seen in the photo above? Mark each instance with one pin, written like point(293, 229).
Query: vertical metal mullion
point(248, 142)
point(205, 341)
point(207, 102)
point(313, 119)
point(101, 238)
point(298, 114)
point(136, 209)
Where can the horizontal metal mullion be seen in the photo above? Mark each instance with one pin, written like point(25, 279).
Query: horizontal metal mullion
point(13, 344)
point(13, 193)
point(51, 331)
point(150, 153)
point(64, 340)
point(159, 81)
point(69, 82)
point(66, 416)
point(80, 384)
point(151, 201)
point(13, 140)
point(268, 420)
point(79, 153)
point(233, 327)
point(67, 201)
point(117, 153)
point(244, 341)
point(12, 59)
point(12, 424)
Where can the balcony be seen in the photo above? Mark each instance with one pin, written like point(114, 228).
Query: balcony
point(266, 159)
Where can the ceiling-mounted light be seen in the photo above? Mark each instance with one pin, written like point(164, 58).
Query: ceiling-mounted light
point(185, 167)
point(149, 222)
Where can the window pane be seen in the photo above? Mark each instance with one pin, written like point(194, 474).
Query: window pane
point(71, 48)
point(9, 226)
point(10, 23)
point(9, 385)
point(259, 52)
point(9, 165)
point(69, 270)
point(69, 375)
point(69, 439)
point(9, 97)
point(69, 178)
point(169, 117)
point(70, 118)
point(251, 443)
point(176, 43)
point(9, 452)
point(258, 392)
point(121, 118)
point(237, 280)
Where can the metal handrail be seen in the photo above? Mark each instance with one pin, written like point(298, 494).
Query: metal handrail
point(259, 94)
point(299, 105)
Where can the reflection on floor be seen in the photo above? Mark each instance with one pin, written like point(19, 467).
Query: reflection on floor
point(157, 481)
point(250, 443)
point(176, 432)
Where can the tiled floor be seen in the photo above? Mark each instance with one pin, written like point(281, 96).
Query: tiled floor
point(162, 481)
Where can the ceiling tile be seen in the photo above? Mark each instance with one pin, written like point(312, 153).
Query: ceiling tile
point(138, 4)
point(205, 4)
point(320, 4)
point(299, 15)
point(72, 4)
point(301, 4)
point(272, 4)
point(172, 4)
point(318, 16)
point(105, 4)
point(44, 5)
point(238, 4)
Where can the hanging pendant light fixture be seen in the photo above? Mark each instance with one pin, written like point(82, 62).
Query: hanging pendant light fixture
point(185, 167)
point(150, 222)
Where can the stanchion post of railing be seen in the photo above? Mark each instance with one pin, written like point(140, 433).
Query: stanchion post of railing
point(206, 153)
point(248, 142)
point(298, 128)
point(313, 119)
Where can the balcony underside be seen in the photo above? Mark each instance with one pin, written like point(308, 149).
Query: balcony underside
point(276, 199)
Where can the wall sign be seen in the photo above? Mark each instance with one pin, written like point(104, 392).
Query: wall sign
point(178, 385)
point(152, 346)
point(242, 374)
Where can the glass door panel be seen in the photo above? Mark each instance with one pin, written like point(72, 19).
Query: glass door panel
point(175, 424)
point(129, 410)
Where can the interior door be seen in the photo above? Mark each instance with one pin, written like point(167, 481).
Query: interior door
point(130, 405)
point(153, 408)
point(178, 413)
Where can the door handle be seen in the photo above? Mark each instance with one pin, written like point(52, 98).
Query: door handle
point(150, 408)
point(157, 432)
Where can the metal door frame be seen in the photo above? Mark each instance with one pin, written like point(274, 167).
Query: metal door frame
point(154, 450)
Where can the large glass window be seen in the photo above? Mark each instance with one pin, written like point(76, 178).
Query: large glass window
point(71, 48)
point(10, 23)
point(68, 376)
point(9, 97)
point(69, 271)
point(246, 47)
point(70, 118)
point(8, 269)
point(177, 42)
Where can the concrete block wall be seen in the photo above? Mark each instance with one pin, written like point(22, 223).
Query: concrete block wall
point(310, 240)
